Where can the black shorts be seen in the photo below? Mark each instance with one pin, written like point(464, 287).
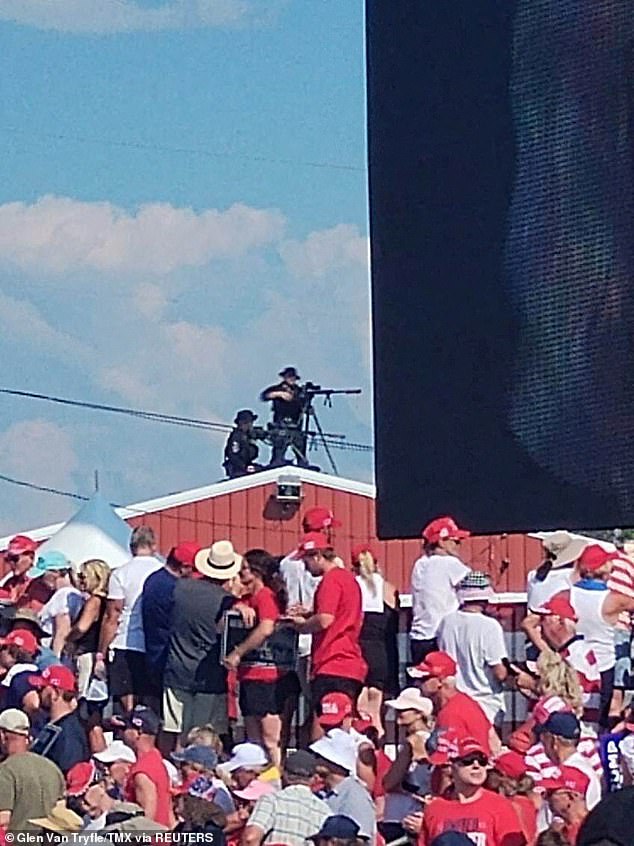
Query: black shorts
point(321, 685)
point(128, 675)
point(259, 698)
point(375, 656)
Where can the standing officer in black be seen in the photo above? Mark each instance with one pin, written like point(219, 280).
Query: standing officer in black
point(241, 450)
point(288, 411)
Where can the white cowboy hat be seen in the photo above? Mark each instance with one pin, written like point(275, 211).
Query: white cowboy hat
point(219, 561)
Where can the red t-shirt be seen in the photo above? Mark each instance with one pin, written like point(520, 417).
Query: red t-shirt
point(526, 811)
point(383, 764)
point(489, 820)
point(464, 715)
point(151, 764)
point(336, 651)
point(266, 607)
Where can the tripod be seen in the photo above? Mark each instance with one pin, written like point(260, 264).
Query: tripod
point(311, 414)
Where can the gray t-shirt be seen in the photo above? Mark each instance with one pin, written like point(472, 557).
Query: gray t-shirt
point(29, 787)
point(193, 656)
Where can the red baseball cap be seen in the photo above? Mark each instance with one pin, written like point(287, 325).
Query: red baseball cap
point(185, 552)
point(444, 528)
point(469, 746)
point(312, 542)
point(595, 556)
point(21, 544)
point(359, 548)
point(437, 665)
point(558, 606)
point(56, 676)
point(80, 777)
point(318, 518)
point(334, 707)
point(21, 637)
point(510, 764)
point(569, 778)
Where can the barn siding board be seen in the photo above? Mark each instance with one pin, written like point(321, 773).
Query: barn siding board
point(251, 517)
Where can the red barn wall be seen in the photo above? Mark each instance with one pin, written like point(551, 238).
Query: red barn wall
point(252, 518)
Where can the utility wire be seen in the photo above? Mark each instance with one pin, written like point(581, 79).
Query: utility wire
point(132, 512)
point(157, 417)
point(188, 151)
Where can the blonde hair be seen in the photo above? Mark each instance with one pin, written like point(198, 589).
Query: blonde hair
point(96, 575)
point(205, 736)
point(366, 567)
point(557, 678)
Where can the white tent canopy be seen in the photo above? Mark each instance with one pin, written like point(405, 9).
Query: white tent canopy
point(96, 531)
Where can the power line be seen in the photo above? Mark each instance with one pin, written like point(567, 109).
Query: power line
point(132, 512)
point(157, 417)
point(188, 151)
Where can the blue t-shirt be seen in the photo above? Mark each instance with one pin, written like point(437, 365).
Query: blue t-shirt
point(71, 744)
point(156, 609)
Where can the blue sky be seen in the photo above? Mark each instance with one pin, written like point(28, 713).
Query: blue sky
point(165, 240)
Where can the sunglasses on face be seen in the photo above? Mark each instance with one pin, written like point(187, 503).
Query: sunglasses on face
point(470, 760)
point(12, 559)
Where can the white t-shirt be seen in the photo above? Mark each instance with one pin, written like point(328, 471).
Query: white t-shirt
point(593, 793)
point(476, 642)
point(434, 581)
point(301, 587)
point(126, 583)
point(66, 600)
point(557, 581)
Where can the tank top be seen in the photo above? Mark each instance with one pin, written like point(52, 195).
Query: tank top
point(598, 635)
point(400, 803)
point(151, 764)
point(88, 643)
point(372, 603)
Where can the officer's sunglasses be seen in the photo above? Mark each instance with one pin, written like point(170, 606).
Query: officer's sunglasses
point(475, 758)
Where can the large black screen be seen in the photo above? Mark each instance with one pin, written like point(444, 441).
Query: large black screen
point(502, 201)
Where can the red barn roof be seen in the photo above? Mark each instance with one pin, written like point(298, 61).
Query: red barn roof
point(246, 511)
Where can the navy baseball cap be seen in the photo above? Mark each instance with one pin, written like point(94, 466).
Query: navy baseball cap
point(338, 826)
point(452, 838)
point(203, 755)
point(142, 719)
point(562, 725)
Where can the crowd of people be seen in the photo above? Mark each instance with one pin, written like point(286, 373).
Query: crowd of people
point(157, 697)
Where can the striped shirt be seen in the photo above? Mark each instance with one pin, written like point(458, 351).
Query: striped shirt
point(622, 577)
point(289, 816)
point(540, 767)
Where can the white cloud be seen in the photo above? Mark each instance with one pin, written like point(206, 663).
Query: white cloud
point(112, 16)
point(60, 235)
point(20, 317)
point(174, 367)
point(326, 250)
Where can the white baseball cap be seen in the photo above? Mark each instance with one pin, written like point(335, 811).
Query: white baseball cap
point(116, 751)
point(411, 699)
point(15, 721)
point(245, 756)
point(339, 748)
